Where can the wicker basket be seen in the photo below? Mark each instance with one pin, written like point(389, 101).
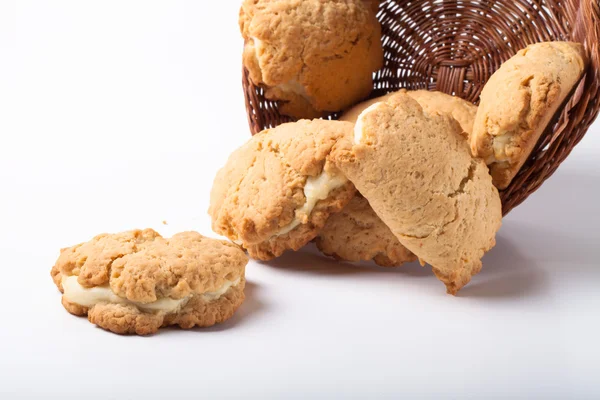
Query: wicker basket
point(455, 45)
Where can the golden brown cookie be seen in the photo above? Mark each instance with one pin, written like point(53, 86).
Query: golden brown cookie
point(313, 56)
point(518, 102)
point(276, 192)
point(432, 102)
point(417, 173)
point(138, 281)
point(357, 234)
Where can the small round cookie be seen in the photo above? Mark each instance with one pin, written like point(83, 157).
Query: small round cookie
point(276, 192)
point(138, 281)
point(417, 173)
point(357, 234)
point(432, 102)
point(312, 56)
point(519, 101)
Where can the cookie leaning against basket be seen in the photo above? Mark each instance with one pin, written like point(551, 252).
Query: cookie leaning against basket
point(518, 102)
point(416, 170)
point(357, 233)
point(316, 56)
point(481, 38)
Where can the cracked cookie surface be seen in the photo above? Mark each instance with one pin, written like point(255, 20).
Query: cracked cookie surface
point(137, 281)
point(417, 173)
point(276, 191)
point(357, 234)
point(313, 56)
point(432, 102)
point(518, 102)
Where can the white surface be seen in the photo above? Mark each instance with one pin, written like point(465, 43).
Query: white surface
point(115, 115)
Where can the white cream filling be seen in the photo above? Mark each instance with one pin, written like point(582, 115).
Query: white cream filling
point(211, 296)
point(257, 44)
point(293, 86)
point(359, 129)
point(499, 145)
point(316, 188)
point(88, 297)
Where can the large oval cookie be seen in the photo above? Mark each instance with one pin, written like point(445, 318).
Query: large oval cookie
point(417, 173)
point(357, 233)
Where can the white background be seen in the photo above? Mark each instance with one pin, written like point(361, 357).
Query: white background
point(117, 114)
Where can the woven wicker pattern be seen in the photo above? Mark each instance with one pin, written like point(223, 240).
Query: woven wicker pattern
point(455, 45)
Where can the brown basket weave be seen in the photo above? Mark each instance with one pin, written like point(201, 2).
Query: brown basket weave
point(455, 45)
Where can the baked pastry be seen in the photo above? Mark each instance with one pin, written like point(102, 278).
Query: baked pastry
point(312, 56)
point(138, 281)
point(417, 173)
point(357, 234)
point(432, 102)
point(519, 101)
point(276, 191)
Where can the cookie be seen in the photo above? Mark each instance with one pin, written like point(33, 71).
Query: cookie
point(519, 101)
point(357, 234)
point(417, 173)
point(313, 56)
point(276, 191)
point(432, 102)
point(138, 281)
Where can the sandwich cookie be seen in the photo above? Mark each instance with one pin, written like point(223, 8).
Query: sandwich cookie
point(312, 56)
point(137, 281)
point(276, 192)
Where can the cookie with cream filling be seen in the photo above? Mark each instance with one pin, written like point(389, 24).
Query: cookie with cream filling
point(312, 56)
point(277, 190)
point(137, 281)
